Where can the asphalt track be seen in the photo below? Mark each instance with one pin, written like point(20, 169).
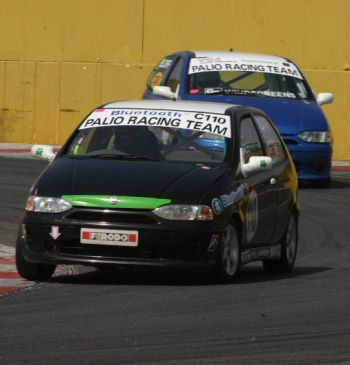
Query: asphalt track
point(147, 317)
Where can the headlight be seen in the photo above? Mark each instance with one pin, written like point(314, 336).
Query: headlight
point(46, 204)
point(181, 212)
point(316, 136)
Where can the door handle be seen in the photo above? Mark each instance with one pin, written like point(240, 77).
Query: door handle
point(273, 181)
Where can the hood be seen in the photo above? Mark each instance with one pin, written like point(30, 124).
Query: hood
point(182, 183)
point(291, 116)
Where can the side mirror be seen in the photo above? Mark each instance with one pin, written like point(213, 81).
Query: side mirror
point(43, 151)
point(324, 98)
point(255, 164)
point(164, 91)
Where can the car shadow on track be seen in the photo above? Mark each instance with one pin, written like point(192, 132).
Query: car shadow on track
point(335, 183)
point(247, 275)
point(255, 274)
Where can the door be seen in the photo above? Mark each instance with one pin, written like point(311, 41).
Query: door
point(260, 210)
point(281, 172)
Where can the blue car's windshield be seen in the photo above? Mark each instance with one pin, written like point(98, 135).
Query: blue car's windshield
point(219, 78)
point(95, 139)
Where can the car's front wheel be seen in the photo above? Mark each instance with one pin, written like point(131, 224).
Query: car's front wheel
point(289, 247)
point(30, 270)
point(228, 261)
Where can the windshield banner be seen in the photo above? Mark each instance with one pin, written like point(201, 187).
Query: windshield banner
point(198, 65)
point(218, 124)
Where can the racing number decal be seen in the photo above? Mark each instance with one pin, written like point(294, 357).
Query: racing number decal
point(252, 215)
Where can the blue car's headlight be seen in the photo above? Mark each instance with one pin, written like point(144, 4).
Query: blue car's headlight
point(183, 212)
point(316, 136)
point(44, 204)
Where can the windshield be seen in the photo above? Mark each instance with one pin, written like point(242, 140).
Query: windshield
point(98, 137)
point(245, 78)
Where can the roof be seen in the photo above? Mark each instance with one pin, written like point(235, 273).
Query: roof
point(200, 106)
point(240, 56)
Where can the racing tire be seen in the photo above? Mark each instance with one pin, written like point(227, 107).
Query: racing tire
point(229, 255)
point(289, 248)
point(29, 270)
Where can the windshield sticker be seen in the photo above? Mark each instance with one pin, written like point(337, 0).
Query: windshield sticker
point(165, 63)
point(218, 124)
point(156, 79)
point(198, 65)
point(270, 93)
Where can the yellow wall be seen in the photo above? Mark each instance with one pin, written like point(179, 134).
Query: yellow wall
point(60, 58)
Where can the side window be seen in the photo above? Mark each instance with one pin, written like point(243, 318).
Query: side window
point(271, 140)
point(175, 74)
point(250, 141)
point(160, 73)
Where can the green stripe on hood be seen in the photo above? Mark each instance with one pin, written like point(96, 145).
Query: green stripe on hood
point(123, 202)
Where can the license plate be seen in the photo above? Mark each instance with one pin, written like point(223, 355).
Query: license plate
point(109, 237)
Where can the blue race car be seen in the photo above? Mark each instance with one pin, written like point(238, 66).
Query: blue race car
point(273, 84)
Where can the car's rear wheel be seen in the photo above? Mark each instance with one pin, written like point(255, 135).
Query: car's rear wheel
point(289, 247)
point(30, 270)
point(228, 261)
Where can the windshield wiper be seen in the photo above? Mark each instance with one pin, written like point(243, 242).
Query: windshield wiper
point(122, 157)
point(77, 157)
point(112, 156)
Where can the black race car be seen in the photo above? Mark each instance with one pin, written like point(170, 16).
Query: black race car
point(135, 185)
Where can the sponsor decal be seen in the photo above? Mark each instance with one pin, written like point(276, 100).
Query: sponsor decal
point(55, 232)
point(213, 90)
point(108, 237)
point(39, 151)
point(77, 146)
point(194, 91)
point(165, 63)
point(156, 79)
point(230, 64)
point(214, 242)
point(225, 200)
point(252, 215)
point(263, 164)
point(271, 149)
point(217, 206)
point(218, 124)
point(227, 91)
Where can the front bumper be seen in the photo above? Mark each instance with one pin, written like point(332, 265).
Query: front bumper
point(201, 264)
point(161, 243)
point(313, 161)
